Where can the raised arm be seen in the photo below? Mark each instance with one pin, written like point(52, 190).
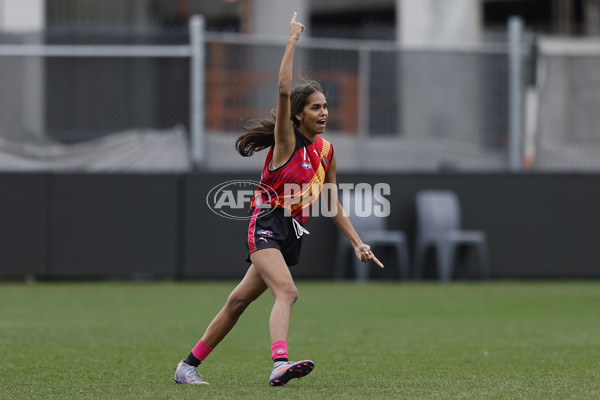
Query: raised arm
point(362, 251)
point(284, 132)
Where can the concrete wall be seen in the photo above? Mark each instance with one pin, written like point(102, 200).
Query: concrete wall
point(436, 88)
point(22, 15)
point(22, 97)
point(438, 22)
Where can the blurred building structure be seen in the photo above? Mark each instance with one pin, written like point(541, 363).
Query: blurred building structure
point(414, 84)
point(345, 18)
point(21, 96)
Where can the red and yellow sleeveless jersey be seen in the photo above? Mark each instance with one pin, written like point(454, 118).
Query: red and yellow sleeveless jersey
point(303, 177)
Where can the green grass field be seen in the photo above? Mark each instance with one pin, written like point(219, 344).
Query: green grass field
point(502, 340)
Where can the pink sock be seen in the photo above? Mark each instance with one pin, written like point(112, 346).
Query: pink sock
point(279, 350)
point(201, 351)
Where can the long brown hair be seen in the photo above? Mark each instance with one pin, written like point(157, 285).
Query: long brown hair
point(261, 134)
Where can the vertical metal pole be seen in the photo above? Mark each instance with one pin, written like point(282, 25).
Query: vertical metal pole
point(364, 101)
point(197, 90)
point(364, 89)
point(515, 93)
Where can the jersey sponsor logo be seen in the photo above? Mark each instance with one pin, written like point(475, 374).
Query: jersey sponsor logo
point(306, 165)
point(265, 233)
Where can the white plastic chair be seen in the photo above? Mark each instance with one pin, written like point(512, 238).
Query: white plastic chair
point(439, 226)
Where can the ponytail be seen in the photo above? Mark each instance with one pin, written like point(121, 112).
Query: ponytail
point(257, 137)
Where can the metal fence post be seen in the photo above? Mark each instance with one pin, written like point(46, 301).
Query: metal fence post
point(197, 90)
point(515, 93)
point(364, 88)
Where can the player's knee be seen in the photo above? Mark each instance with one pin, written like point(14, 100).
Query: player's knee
point(237, 306)
point(290, 294)
point(294, 296)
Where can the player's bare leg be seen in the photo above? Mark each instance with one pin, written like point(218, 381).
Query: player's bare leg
point(276, 274)
point(248, 290)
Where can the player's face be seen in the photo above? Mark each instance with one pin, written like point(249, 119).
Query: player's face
point(314, 115)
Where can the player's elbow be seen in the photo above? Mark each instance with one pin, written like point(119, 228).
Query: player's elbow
point(284, 90)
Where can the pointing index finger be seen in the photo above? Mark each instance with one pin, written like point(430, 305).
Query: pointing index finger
point(376, 260)
point(294, 17)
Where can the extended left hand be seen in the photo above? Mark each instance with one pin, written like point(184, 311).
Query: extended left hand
point(363, 253)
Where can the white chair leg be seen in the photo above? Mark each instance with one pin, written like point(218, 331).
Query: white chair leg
point(419, 260)
point(403, 264)
point(361, 271)
point(445, 261)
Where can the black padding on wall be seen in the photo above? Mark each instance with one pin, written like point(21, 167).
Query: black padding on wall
point(159, 225)
point(214, 246)
point(114, 225)
point(23, 224)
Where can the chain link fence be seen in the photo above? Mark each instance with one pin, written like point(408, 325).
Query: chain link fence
point(90, 97)
point(95, 99)
point(567, 98)
point(392, 108)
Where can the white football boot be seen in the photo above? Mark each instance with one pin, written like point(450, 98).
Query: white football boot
point(283, 371)
point(187, 374)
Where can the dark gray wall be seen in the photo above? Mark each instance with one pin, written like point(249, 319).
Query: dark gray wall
point(214, 246)
point(24, 213)
point(136, 226)
point(113, 226)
